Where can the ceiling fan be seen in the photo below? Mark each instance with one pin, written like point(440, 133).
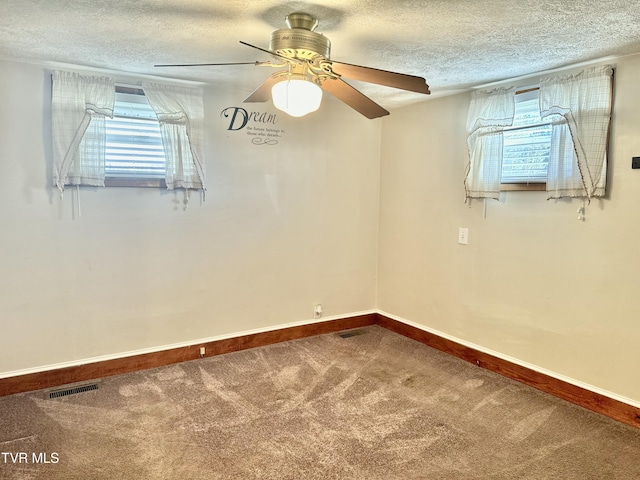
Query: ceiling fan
point(308, 70)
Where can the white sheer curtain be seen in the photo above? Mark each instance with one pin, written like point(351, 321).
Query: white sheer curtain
point(181, 115)
point(489, 113)
point(577, 164)
point(79, 105)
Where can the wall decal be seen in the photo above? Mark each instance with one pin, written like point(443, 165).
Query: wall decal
point(259, 126)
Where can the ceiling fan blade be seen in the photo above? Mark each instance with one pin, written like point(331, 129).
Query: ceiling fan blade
point(271, 52)
point(263, 92)
point(381, 77)
point(352, 97)
point(206, 64)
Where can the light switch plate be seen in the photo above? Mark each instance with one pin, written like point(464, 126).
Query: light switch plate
point(463, 236)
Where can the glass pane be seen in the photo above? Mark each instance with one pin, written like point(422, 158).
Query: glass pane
point(134, 144)
point(526, 145)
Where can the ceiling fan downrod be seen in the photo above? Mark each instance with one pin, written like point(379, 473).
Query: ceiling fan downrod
point(301, 20)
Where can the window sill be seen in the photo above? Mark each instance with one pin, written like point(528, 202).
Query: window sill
point(135, 182)
point(523, 187)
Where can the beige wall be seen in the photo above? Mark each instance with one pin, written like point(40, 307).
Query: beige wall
point(283, 227)
point(534, 283)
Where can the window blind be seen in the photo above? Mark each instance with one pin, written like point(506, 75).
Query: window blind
point(526, 144)
point(133, 141)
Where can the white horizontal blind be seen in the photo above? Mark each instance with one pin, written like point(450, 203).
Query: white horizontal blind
point(134, 145)
point(527, 143)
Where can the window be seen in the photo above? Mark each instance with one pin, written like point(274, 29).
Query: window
point(134, 153)
point(83, 107)
point(527, 145)
point(571, 147)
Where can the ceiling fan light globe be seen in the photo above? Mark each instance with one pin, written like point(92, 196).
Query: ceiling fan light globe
point(296, 97)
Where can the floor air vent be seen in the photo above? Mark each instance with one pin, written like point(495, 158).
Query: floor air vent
point(352, 333)
point(73, 390)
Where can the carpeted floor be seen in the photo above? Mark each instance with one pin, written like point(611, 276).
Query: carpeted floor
point(371, 406)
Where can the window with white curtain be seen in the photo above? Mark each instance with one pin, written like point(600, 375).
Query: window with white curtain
point(181, 116)
point(554, 136)
point(489, 113)
point(79, 106)
point(105, 135)
point(578, 158)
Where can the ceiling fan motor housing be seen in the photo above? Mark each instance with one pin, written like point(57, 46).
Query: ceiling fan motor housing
point(300, 41)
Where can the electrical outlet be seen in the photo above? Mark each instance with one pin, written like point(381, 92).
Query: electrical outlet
point(202, 350)
point(317, 311)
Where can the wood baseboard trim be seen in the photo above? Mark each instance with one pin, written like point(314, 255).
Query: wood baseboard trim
point(107, 368)
point(582, 397)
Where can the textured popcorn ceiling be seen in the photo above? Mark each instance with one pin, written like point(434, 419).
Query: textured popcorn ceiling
point(454, 44)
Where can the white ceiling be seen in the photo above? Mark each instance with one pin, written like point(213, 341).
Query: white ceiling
point(454, 44)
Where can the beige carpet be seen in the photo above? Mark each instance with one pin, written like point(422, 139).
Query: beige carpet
point(370, 406)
